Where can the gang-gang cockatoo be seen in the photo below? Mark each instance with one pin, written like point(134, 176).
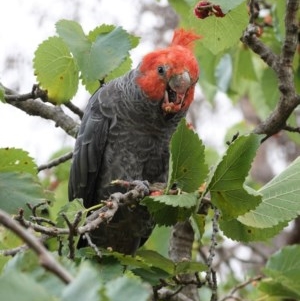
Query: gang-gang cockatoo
point(125, 134)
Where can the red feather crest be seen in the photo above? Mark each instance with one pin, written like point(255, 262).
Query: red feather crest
point(184, 38)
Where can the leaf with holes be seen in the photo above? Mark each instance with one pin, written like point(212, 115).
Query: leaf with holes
point(16, 160)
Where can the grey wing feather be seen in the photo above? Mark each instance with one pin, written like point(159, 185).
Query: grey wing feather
point(88, 153)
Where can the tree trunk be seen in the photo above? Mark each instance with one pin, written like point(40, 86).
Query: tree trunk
point(181, 242)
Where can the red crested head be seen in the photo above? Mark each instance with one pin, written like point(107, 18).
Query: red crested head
point(170, 74)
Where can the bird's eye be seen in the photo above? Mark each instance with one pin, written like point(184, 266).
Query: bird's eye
point(161, 70)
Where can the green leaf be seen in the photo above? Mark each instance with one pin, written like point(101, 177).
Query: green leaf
point(228, 5)
point(72, 34)
point(269, 81)
point(97, 54)
point(284, 268)
point(110, 268)
point(104, 29)
point(159, 240)
point(186, 267)
point(108, 52)
point(16, 160)
point(70, 209)
point(243, 68)
point(154, 259)
point(236, 230)
point(124, 67)
point(187, 168)
point(257, 100)
point(169, 209)
point(223, 72)
point(218, 33)
point(278, 11)
point(8, 240)
point(280, 200)
point(79, 45)
point(275, 289)
point(223, 32)
point(125, 288)
point(127, 260)
point(2, 94)
point(28, 263)
point(209, 63)
point(17, 189)
point(86, 285)
point(152, 276)
point(183, 9)
point(185, 200)
point(227, 188)
point(16, 285)
point(198, 223)
point(56, 69)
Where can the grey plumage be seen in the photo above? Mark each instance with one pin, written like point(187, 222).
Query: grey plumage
point(122, 136)
point(125, 134)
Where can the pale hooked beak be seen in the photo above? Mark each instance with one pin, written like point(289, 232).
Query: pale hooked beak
point(175, 92)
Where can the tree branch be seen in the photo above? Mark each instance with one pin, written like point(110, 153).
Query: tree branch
point(282, 65)
point(46, 259)
point(31, 104)
point(104, 214)
point(56, 161)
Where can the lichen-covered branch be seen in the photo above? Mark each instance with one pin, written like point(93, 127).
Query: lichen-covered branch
point(32, 104)
point(56, 161)
point(46, 259)
point(138, 190)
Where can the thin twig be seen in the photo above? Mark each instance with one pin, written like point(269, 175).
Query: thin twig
point(46, 259)
point(92, 245)
point(74, 109)
point(72, 231)
point(35, 93)
point(13, 251)
point(211, 274)
point(56, 161)
point(241, 286)
point(292, 129)
point(42, 220)
point(50, 231)
point(34, 208)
